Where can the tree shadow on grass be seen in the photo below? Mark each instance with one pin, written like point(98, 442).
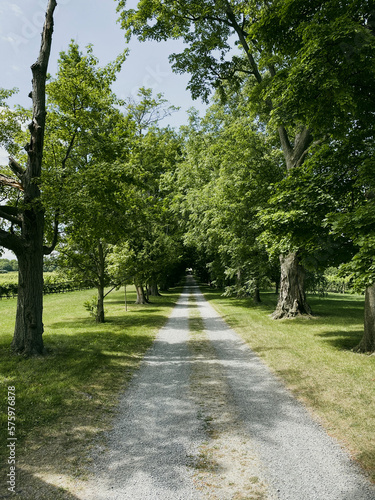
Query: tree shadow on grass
point(342, 308)
point(343, 340)
point(78, 381)
point(111, 321)
point(268, 299)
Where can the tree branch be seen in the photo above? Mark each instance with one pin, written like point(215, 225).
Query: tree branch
point(16, 168)
point(301, 144)
point(37, 126)
point(51, 248)
point(9, 181)
point(10, 214)
point(285, 145)
point(310, 146)
point(10, 241)
point(242, 37)
point(111, 290)
point(69, 150)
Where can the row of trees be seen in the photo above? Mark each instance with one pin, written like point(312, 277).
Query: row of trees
point(275, 179)
point(304, 74)
point(90, 185)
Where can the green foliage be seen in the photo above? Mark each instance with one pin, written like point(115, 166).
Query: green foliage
point(152, 245)
point(304, 66)
point(91, 306)
point(10, 122)
point(293, 219)
point(147, 111)
point(359, 225)
point(8, 265)
point(8, 290)
point(301, 56)
point(52, 283)
point(335, 282)
point(222, 184)
point(329, 77)
point(82, 124)
point(194, 22)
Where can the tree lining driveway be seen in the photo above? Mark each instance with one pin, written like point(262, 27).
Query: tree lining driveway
point(153, 450)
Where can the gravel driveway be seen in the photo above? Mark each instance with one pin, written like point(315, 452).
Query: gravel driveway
point(159, 433)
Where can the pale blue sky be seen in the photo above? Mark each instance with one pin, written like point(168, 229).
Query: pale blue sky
point(86, 21)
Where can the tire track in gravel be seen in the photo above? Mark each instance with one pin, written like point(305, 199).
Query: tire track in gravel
point(148, 452)
point(206, 419)
point(301, 462)
point(227, 466)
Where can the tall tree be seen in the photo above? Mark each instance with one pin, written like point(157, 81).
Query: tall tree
point(154, 152)
point(222, 184)
point(25, 219)
point(355, 220)
point(84, 184)
point(207, 28)
point(285, 45)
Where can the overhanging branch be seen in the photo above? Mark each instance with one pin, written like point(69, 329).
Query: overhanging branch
point(9, 181)
point(111, 290)
point(10, 241)
point(51, 248)
point(10, 214)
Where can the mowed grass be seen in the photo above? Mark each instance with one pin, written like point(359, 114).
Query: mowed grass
point(66, 398)
point(314, 358)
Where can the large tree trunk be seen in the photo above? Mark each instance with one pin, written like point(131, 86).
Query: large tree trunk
point(367, 343)
point(292, 298)
point(294, 154)
point(256, 297)
point(153, 289)
point(141, 296)
point(28, 331)
point(27, 339)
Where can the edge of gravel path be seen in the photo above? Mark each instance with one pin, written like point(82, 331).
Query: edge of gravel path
point(287, 438)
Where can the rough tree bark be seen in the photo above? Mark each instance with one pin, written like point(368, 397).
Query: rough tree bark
point(292, 299)
point(141, 296)
point(100, 318)
point(256, 297)
point(28, 245)
point(153, 289)
point(367, 343)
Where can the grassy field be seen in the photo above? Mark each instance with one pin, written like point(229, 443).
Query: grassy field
point(66, 399)
point(314, 358)
point(11, 277)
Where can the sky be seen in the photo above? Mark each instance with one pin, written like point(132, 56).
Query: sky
point(87, 22)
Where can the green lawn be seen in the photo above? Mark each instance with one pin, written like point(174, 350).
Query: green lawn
point(314, 358)
point(65, 400)
point(69, 395)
